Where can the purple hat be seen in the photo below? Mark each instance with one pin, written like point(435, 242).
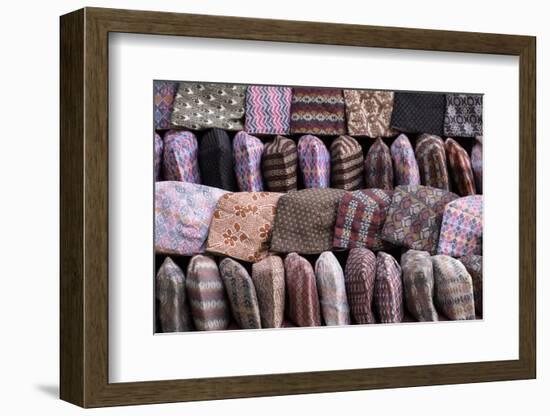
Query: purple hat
point(164, 93)
point(267, 109)
point(359, 276)
point(158, 155)
point(378, 166)
point(247, 154)
point(388, 289)
point(404, 162)
point(180, 157)
point(314, 160)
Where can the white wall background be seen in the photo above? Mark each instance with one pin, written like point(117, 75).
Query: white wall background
point(29, 237)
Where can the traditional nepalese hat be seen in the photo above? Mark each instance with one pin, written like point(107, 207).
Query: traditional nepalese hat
point(173, 306)
point(369, 112)
point(464, 115)
point(206, 294)
point(432, 162)
point(414, 217)
point(474, 266)
point(241, 225)
point(359, 276)
point(305, 221)
point(332, 290)
point(317, 111)
point(461, 168)
point(180, 157)
point(183, 212)
point(314, 160)
point(388, 289)
point(241, 294)
point(418, 112)
point(159, 145)
point(379, 166)
point(361, 216)
point(267, 109)
point(347, 163)
point(477, 163)
point(454, 293)
point(418, 283)
point(216, 160)
point(404, 162)
point(303, 298)
point(462, 227)
point(280, 165)
point(247, 154)
point(164, 92)
point(268, 276)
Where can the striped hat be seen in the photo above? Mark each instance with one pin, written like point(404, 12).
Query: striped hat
point(280, 165)
point(477, 163)
point(317, 111)
point(332, 290)
point(314, 160)
point(359, 277)
point(247, 155)
point(267, 109)
point(180, 157)
point(432, 163)
point(347, 164)
point(379, 166)
point(418, 282)
point(216, 160)
point(368, 112)
point(206, 295)
point(388, 289)
point(474, 266)
point(303, 300)
point(158, 155)
point(164, 92)
point(418, 112)
point(404, 162)
point(461, 168)
point(268, 276)
point(173, 306)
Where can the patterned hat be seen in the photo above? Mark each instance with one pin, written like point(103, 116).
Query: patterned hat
point(241, 294)
point(280, 165)
point(216, 160)
point(369, 112)
point(332, 290)
point(404, 162)
point(173, 306)
point(303, 300)
point(464, 115)
point(317, 111)
point(267, 109)
point(347, 163)
point(164, 92)
point(206, 295)
point(418, 112)
point(247, 154)
point(359, 277)
point(461, 169)
point(414, 217)
point(241, 225)
point(462, 227)
point(268, 277)
point(180, 157)
point(361, 216)
point(432, 163)
point(454, 293)
point(314, 161)
point(418, 282)
point(183, 212)
point(202, 106)
point(378, 166)
point(477, 163)
point(388, 289)
point(474, 266)
point(158, 155)
point(305, 220)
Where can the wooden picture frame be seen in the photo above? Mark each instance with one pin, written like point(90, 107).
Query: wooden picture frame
point(84, 207)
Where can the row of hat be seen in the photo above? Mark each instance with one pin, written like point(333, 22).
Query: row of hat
point(248, 164)
point(291, 292)
point(263, 109)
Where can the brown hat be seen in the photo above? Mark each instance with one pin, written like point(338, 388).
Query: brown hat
point(268, 276)
point(346, 164)
point(280, 165)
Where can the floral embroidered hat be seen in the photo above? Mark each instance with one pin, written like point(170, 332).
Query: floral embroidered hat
point(369, 112)
point(180, 157)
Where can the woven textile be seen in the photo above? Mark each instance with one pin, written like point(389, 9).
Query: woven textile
point(303, 299)
point(464, 115)
point(461, 168)
point(314, 160)
point(359, 277)
point(180, 157)
point(474, 266)
point(347, 163)
point(163, 92)
point(369, 112)
point(267, 109)
point(418, 285)
point(414, 217)
point(268, 277)
point(159, 145)
point(216, 160)
point(200, 106)
point(418, 112)
point(183, 212)
point(379, 166)
point(247, 154)
point(317, 111)
point(172, 304)
point(241, 294)
point(332, 290)
point(477, 163)
point(241, 225)
point(388, 289)
point(432, 162)
point(404, 162)
point(361, 216)
point(305, 220)
point(280, 165)
point(206, 294)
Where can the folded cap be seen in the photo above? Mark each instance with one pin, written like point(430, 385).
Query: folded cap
point(379, 166)
point(418, 283)
point(474, 266)
point(461, 168)
point(404, 162)
point(280, 165)
point(314, 160)
point(267, 109)
point(172, 304)
point(305, 220)
point(359, 277)
point(347, 163)
point(158, 155)
point(388, 289)
point(418, 112)
point(268, 276)
point(477, 163)
point(463, 115)
point(317, 111)
point(332, 290)
point(216, 160)
point(247, 155)
point(432, 162)
point(180, 157)
point(164, 92)
point(369, 112)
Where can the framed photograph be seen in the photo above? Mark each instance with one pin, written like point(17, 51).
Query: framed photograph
point(255, 207)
